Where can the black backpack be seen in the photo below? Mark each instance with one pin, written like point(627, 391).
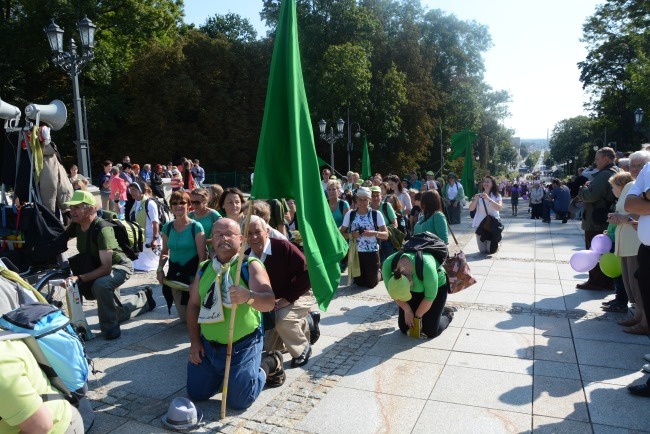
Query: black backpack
point(424, 242)
point(163, 210)
point(373, 213)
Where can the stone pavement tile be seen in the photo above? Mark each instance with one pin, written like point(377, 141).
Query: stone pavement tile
point(621, 377)
point(413, 353)
point(555, 349)
point(132, 331)
point(603, 429)
point(461, 315)
point(106, 422)
point(544, 255)
point(448, 418)
point(503, 284)
point(549, 302)
point(500, 321)
point(491, 363)
point(371, 413)
point(166, 373)
point(348, 306)
point(506, 299)
point(552, 425)
point(610, 354)
point(559, 397)
point(512, 269)
point(172, 338)
point(604, 331)
point(613, 405)
point(585, 301)
point(552, 326)
point(495, 343)
point(478, 270)
point(133, 427)
point(338, 325)
point(548, 368)
point(116, 361)
point(548, 287)
point(408, 378)
point(445, 341)
point(491, 389)
point(468, 295)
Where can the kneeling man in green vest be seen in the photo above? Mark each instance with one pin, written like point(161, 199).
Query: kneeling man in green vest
point(212, 297)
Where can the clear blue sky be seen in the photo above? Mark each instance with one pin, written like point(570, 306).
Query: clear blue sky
point(536, 46)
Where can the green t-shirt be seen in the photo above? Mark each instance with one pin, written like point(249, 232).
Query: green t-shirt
point(436, 224)
point(22, 383)
point(105, 241)
point(434, 275)
point(247, 318)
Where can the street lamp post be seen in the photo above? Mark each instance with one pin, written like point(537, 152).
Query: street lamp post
point(638, 119)
point(357, 134)
point(72, 63)
point(331, 137)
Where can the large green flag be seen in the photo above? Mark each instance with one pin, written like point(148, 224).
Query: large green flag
point(287, 166)
point(461, 143)
point(365, 165)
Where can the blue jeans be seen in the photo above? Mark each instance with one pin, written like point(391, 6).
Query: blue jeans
point(246, 380)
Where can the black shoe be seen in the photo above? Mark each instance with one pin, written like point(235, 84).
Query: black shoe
point(640, 390)
point(609, 303)
point(617, 308)
point(302, 359)
point(113, 334)
point(314, 329)
point(150, 300)
point(276, 377)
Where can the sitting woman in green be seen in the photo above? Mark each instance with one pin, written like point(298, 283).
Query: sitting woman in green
point(422, 300)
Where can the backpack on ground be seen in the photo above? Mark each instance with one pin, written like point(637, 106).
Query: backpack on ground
point(129, 236)
point(421, 243)
point(163, 210)
point(57, 339)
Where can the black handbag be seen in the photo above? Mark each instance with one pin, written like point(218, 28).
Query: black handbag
point(81, 264)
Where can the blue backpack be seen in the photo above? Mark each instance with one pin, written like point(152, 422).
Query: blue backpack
point(55, 336)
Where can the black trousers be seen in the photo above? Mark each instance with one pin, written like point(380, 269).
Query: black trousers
point(369, 264)
point(596, 276)
point(433, 322)
point(644, 277)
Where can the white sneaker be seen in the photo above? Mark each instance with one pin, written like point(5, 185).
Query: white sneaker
point(646, 368)
point(647, 357)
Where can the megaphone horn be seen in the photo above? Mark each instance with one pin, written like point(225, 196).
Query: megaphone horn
point(54, 113)
point(9, 113)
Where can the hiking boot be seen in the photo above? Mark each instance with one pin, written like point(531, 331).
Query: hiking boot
point(150, 300)
point(314, 332)
point(275, 377)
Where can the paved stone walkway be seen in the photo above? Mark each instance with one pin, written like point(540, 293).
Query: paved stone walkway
point(525, 352)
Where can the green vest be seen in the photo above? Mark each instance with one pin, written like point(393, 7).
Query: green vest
point(247, 319)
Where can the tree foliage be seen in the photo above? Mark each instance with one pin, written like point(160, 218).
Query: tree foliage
point(158, 89)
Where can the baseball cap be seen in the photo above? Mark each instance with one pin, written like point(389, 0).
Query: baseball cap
point(363, 192)
point(81, 196)
point(430, 173)
point(375, 188)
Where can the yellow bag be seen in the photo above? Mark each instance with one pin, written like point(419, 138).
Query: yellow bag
point(354, 268)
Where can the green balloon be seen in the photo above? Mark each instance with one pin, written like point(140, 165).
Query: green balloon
point(610, 264)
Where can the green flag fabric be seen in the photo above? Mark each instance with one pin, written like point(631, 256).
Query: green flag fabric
point(286, 165)
point(461, 143)
point(365, 165)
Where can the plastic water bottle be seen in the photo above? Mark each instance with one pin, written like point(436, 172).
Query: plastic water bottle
point(121, 214)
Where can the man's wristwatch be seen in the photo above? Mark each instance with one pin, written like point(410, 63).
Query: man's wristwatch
point(643, 195)
point(251, 297)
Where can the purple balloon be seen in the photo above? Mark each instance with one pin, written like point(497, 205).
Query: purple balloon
point(601, 244)
point(584, 260)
